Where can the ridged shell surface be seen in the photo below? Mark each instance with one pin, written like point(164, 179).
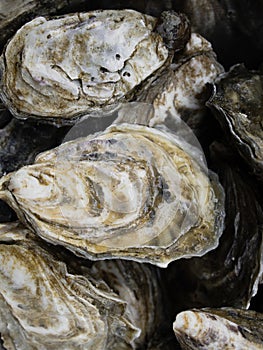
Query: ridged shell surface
point(131, 191)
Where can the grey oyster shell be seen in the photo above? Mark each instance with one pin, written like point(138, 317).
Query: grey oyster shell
point(131, 191)
point(62, 68)
point(140, 286)
point(237, 105)
point(226, 328)
point(21, 11)
point(230, 274)
point(43, 306)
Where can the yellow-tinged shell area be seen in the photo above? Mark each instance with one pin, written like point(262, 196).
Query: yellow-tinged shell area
point(130, 191)
point(66, 66)
point(42, 306)
point(214, 329)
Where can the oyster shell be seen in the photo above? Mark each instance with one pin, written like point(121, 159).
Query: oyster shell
point(58, 69)
point(140, 286)
point(234, 28)
point(230, 274)
point(42, 306)
point(225, 328)
point(21, 11)
point(237, 105)
point(181, 90)
point(131, 191)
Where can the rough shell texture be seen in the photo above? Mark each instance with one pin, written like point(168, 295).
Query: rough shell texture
point(21, 11)
point(225, 328)
point(237, 103)
point(230, 274)
point(138, 285)
point(42, 306)
point(182, 89)
point(131, 191)
point(65, 67)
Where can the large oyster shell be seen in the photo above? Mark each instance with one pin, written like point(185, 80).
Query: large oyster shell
point(131, 191)
point(229, 275)
point(68, 66)
point(225, 328)
point(42, 306)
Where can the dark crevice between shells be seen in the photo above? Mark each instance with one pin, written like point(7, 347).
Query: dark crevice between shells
point(20, 142)
point(2, 343)
point(228, 275)
point(6, 213)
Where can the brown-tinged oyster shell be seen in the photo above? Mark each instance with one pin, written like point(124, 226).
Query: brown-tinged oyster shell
point(42, 306)
point(181, 90)
point(237, 103)
point(21, 11)
point(58, 69)
point(225, 328)
point(131, 191)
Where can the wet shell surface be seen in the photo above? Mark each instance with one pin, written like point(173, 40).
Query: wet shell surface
point(140, 287)
point(42, 306)
point(230, 274)
point(131, 191)
point(237, 104)
point(182, 88)
point(65, 67)
point(226, 328)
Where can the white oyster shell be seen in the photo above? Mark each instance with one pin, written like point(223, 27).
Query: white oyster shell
point(225, 328)
point(131, 191)
point(180, 90)
point(42, 306)
point(67, 66)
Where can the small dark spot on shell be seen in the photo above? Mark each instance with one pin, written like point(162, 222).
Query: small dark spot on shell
point(48, 36)
point(112, 141)
point(126, 74)
point(92, 78)
point(104, 70)
point(212, 317)
point(91, 156)
point(117, 56)
point(166, 196)
point(152, 214)
point(117, 20)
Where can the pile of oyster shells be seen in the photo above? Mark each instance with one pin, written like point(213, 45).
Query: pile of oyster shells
point(130, 176)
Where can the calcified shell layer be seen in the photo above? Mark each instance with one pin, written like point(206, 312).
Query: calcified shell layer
point(66, 66)
point(226, 328)
point(42, 306)
point(131, 191)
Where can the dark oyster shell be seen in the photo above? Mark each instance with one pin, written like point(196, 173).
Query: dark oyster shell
point(228, 275)
point(237, 103)
point(233, 27)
